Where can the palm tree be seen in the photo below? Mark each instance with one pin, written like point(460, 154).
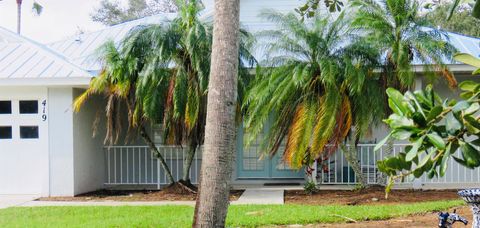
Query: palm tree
point(118, 83)
point(314, 88)
point(162, 73)
point(37, 8)
point(220, 130)
point(398, 33)
point(186, 44)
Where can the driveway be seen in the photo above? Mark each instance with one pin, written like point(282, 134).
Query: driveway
point(15, 200)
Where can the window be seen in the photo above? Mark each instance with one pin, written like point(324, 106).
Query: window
point(5, 107)
point(29, 132)
point(5, 132)
point(28, 107)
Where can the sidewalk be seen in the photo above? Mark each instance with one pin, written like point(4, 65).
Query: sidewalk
point(250, 196)
point(261, 196)
point(15, 200)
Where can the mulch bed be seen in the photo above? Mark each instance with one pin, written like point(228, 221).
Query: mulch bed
point(373, 195)
point(137, 195)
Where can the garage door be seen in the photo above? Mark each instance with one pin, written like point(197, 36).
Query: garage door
point(23, 141)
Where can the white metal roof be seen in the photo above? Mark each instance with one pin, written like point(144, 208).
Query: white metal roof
point(23, 61)
point(81, 49)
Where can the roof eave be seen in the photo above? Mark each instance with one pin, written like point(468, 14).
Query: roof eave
point(70, 81)
point(456, 68)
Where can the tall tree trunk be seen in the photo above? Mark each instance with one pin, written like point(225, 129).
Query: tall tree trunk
point(19, 16)
point(220, 132)
point(388, 152)
point(157, 153)
point(187, 164)
point(352, 159)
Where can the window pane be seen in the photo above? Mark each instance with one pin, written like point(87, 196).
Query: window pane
point(5, 132)
point(5, 107)
point(29, 132)
point(28, 107)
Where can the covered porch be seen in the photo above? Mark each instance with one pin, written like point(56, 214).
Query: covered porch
point(134, 167)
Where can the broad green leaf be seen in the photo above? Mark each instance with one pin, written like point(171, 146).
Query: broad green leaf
point(420, 95)
point(452, 124)
point(434, 113)
point(432, 173)
point(467, 58)
point(419, 108)
point(381, 143)
point(437, 141)
point(404, 164)
point(470, 154)
point(466, 95)
point(419, 119)
point(472, 128)
point(424, 161)
point(461, 161)
point(471, 120)
point(397, 121)
point(398, 101)
point(472, 109)
point(401, 134)
point(476, 142)
point(418, 172)
point(468, 85)
point(445, 158)
point(460, 106)
point(477, 71)
point(412, 153)
point(393, 163)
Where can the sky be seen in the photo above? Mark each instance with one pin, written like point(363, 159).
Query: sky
point(59, 19)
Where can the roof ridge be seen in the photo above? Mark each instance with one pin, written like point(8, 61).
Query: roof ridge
point(456, 33)
point(114, 26)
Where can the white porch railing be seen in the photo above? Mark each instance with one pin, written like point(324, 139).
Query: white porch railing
point(137, 165)
point(336, 170)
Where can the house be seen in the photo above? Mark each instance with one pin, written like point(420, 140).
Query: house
point(47, 150)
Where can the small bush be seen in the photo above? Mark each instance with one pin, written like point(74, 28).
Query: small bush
point(310, 187)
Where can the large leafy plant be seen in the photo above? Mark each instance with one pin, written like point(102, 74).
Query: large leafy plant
point(435, 128)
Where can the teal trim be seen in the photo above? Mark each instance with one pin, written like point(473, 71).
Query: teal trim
point(267, 168)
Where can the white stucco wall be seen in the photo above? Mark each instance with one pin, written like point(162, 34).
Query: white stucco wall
point(61, 141)
point(89, 158)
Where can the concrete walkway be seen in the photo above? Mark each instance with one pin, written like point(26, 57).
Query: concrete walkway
point(260, 196)
point(15, 200)
point(249, 196)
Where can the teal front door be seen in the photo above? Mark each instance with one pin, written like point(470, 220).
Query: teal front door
point(252, 165)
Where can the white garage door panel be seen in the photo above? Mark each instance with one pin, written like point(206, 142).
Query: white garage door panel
point(24, 162)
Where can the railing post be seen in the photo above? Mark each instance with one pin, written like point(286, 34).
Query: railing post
point(158, 174)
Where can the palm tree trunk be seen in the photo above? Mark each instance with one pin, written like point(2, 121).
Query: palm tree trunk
point(388, 152)
point(220, 131)
point(157, 153)
point(187, 164)
point(19, 15)
point(352, 159)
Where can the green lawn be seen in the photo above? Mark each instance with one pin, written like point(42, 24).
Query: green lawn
point(181, 216)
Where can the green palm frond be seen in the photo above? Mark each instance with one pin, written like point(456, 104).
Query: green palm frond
point(395, 27)
point(311, 73)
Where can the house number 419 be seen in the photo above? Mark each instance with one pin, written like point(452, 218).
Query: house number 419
point(44, 110)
